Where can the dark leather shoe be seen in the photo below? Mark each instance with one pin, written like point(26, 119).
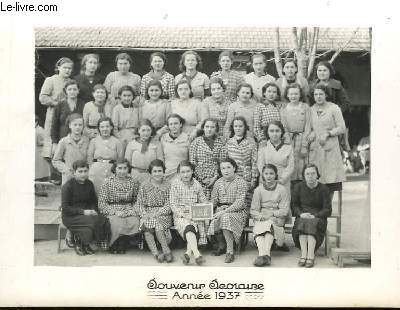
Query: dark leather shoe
point(79, 250)
point(69, 241)
point(185, 259)
point(259, 262)
point(229, 258)
point(301, 262)
point(309, 263)
point(88, 250)
point(168, 257)
point(267, 260)
point(160, 258)
point(200, 260)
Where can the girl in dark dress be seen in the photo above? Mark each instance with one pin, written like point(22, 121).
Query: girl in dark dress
point(88, 77)
point(71, 104)
point(312, 206)
point(79, 210)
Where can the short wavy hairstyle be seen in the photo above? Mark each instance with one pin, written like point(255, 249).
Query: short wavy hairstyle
point(271, 84)
point(121, 161)
point(105, 119)
point(80, 163)
point(186, 163)
point(156, 163)
point(297, 86)
point(85, 60)
point(217, 80)
point(241, 85)
point(183, 81)
point(182, 66)
point(241, 119)
point(272, 167)
point(61, 61)
point(153, 83)
point(227, 160)
point(325, 89)
point(124, 56)
point(276, 123)
point(310, 166)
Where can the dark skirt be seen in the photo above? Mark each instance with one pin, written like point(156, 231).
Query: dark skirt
point(88, 228)
point(333, 187)
point(315, 227)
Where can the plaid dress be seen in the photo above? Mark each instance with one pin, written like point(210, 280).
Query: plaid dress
point(154, 199)
point(232, 79)
point(181, 197)
point(217, 110)
point(229, 194)
point(239, 109)
point(205, 159)
point(167, 83)
point(119, 195)
point(263, 115)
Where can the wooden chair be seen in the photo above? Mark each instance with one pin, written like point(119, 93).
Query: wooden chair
point(338, 218)
point(62, 230)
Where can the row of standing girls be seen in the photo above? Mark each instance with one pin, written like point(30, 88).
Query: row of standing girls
point(225, 128)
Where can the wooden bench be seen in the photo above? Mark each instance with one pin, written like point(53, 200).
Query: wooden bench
point(339, 255)
point(337, 217)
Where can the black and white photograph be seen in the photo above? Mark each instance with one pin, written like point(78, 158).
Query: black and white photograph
point(202, 146)
point(187, 154)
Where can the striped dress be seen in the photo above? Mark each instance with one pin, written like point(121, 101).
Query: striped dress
point(229, 194)
point(181, 196)
point(244, 153)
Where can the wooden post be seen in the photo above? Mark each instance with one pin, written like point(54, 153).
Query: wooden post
point(277, 57)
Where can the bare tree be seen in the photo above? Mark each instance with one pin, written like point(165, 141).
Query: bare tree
point(305, 45)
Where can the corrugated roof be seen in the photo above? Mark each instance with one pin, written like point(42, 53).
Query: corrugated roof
point(249, 38)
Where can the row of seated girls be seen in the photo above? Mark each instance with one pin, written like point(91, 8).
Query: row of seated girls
point(254, 127)
point(125, 208)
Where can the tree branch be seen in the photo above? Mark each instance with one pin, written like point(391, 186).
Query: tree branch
point(313, 51)
point(277, 57)
point(340, 49)
point(295, 39)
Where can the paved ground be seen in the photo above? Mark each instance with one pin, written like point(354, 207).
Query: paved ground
point(355, 234)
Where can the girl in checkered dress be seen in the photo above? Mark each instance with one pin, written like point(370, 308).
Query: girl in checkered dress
point(155, 211)
point(268, 111)
point(228, 197)
point(231, 78)
point(186, 191)
point(117, 200)
point(205, 152)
